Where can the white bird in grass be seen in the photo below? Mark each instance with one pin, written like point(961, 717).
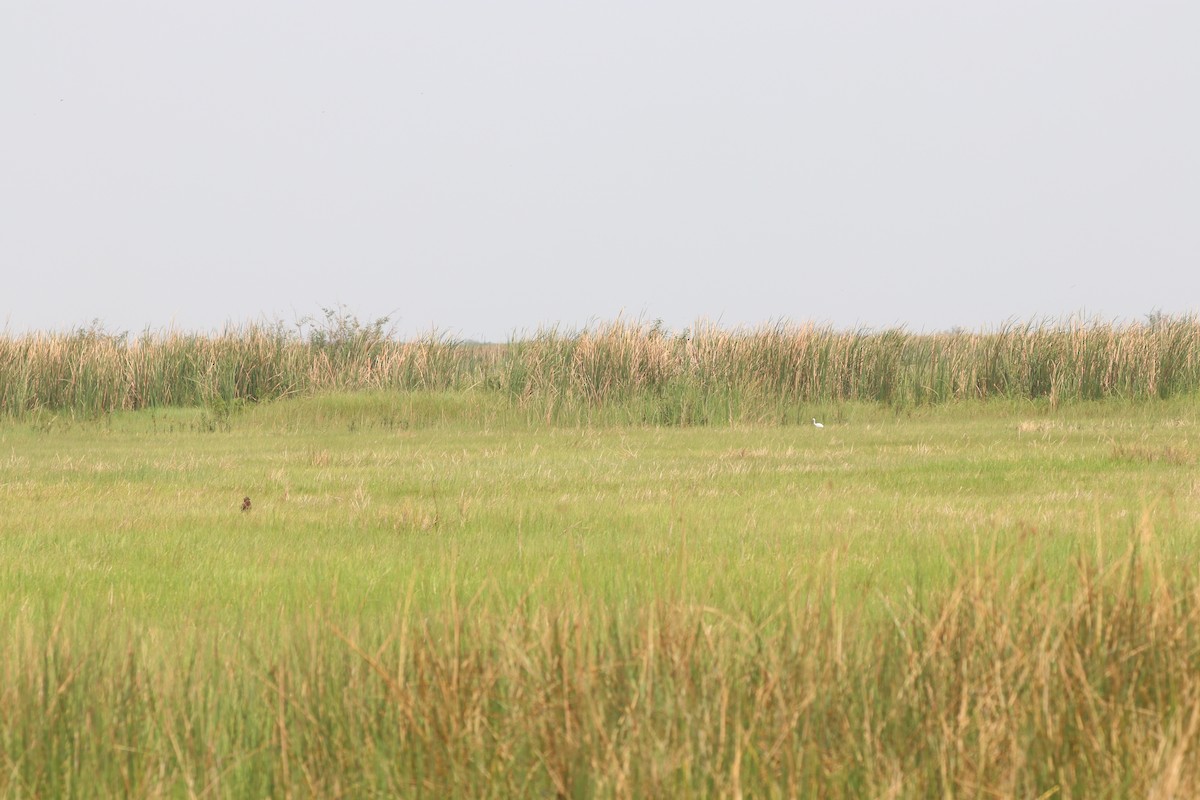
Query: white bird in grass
point(817, 424)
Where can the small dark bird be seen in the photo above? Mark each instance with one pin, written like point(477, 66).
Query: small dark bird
point(245, 504)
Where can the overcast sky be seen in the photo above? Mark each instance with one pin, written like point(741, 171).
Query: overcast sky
point(489, 168)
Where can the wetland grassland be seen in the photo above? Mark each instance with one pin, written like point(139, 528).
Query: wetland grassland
point(613, 563)
point(441, 594)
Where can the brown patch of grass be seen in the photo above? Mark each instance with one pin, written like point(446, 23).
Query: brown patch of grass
point(1145, 454)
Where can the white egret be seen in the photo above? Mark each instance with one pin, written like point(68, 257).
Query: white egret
point(817, 424)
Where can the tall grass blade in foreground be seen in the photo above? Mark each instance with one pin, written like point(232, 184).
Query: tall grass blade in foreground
point(1008, 684)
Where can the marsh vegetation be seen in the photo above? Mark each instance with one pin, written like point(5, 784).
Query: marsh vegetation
point(618, 563)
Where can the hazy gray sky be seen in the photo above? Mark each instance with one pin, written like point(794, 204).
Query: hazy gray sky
point(491, 167)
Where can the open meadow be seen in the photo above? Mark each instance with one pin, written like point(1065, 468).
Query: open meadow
point(470, 589)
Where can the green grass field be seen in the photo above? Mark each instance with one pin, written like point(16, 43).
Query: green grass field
point(442, 594)
point(359, 499)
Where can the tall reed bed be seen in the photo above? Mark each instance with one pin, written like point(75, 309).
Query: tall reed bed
point(92, 372)
point(696, 376)
point(1008, 685)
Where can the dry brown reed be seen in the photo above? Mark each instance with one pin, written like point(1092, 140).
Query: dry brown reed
point(699, 375)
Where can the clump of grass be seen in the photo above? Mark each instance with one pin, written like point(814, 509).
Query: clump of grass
point(1167, 454)
point(639, 371)
point(1008, 684)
